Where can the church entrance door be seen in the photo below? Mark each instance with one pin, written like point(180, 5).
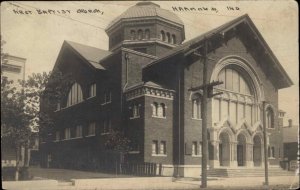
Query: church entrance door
point(257, 151)
point(241, 150)
point(224, 149)
point(240, 155)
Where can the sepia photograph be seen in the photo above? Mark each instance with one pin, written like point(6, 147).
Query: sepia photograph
point(143, 95)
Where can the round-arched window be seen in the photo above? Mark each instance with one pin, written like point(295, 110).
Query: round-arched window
point(75, 95)
point(168, 37)
point(140, 34)
point(162, 36)
point(147, 34)
point(132, 35)
point(237, 101)
point(196, 106)
point(173, 39)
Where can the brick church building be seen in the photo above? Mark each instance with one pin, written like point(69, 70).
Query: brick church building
point(141, 87)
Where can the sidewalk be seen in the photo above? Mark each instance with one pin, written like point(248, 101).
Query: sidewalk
point(250, 182)
point(61, 179)
point(161, 183)
point(67, 175)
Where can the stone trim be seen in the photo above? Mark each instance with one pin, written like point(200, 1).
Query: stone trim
point(150, 91)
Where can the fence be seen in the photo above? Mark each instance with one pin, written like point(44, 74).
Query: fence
point(140, 169)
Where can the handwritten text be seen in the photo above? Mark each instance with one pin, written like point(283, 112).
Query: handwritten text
point(52, 11)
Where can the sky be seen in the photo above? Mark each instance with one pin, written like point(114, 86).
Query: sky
point(39, 37)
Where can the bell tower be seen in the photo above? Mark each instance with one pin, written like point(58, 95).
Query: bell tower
point(146, 28)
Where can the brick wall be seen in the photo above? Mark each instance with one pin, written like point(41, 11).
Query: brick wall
point(154, 26)
point(193, 77)
point(135, 128)
point(160, 129)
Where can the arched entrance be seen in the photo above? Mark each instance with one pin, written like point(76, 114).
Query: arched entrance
point(257, 154)
point(224, 149)
point(241, 150)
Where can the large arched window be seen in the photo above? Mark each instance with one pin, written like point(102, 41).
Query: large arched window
point(196, 106)
point(234, 81)
point(237, 101)
point(75, 95)
point(269, 118)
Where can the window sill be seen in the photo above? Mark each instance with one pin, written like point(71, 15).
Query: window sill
point(197, 156)
point(71, 139)
point(77, 138)
point(272, 158)
point(136, 117)
point(159, 117)
point(71, 105)
point(134, 152)
point(90, 97)
point(107, 133)
point(56, 141)
point(159, 155)
point(90, 135)
point(105, 103)
point(199, 119)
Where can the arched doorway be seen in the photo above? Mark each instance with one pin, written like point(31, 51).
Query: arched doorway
point(257, 155)
point(241, 150)
point(224, 149)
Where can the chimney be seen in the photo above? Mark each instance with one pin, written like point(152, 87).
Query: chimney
point(281, 118)
point(290, 122)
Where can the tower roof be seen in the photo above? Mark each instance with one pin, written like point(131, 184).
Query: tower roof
point(146, 9)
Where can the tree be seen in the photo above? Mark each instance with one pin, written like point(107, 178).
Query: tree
point(117, 141)
point(14, 122)
point(20, 109)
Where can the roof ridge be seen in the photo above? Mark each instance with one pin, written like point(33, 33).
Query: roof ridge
point(196, 39)
point(90, 54)
point(68, 41)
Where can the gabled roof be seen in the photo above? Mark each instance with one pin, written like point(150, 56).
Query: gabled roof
point(90, 54)
point(187, 46)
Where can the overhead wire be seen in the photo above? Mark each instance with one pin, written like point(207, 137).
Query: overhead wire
point(21, 5)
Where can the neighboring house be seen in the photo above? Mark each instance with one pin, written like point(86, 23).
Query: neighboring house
point(291, 143)
point(13, 69)
point(141, 86)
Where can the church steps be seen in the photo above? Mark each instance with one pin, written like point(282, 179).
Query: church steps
point(245, 172)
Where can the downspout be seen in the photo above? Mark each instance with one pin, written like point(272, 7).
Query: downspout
point(126, 83)
point(179, 118)
point(126, 76)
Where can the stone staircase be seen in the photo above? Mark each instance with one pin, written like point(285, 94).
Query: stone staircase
point(247, 172)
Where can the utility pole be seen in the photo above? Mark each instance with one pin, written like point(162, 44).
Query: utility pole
point(207, 94)
point(265, 145)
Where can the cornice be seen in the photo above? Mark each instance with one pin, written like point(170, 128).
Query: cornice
point(151, 91)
